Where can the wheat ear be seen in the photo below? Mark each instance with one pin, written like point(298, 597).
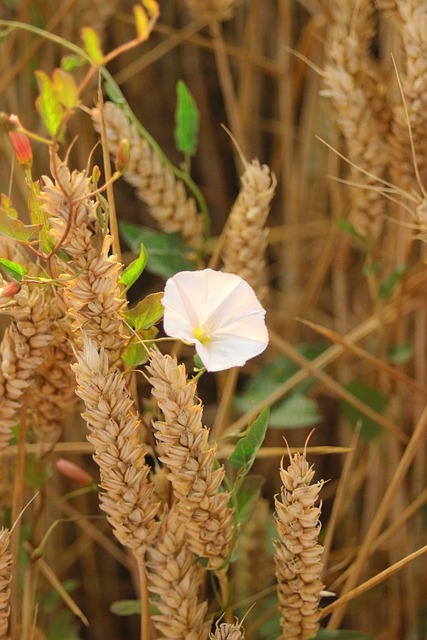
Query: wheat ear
point(184, 449)
point(175, 578)
point(245, 238)
point(22, 351)
point(298, 554)
point(110, 415)
point(155, 184)
point(92, 295)
point(5, 577)
point(349, 84)
point(413, 26)
point(227, 631)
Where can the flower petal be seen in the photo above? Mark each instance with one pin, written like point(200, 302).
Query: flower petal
point(221, 354)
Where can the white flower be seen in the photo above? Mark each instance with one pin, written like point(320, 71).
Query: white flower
point(217, 312)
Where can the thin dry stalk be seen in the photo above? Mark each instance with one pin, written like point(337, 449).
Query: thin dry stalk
point(5, 577)
point(298, 554)
point(190, 460)
point(113, 424)
point(176, 579)
point(211, 10)
point(246, 235)
point(156, 185)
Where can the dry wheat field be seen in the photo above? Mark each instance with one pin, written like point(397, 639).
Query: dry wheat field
point(213, 348)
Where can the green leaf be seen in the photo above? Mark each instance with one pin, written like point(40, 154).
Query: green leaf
point(36, 472)
point(65, 88)
point(6, 205)
point(13, 269)
point(13, 228)
point(166, 251)
point(247, 447)
point(295, 412)
point(186, 120)
point(401, 353)
point(247, 496)
point(126, 607)
point(136, 351)
point(72, 61)
point(92, 45)
point(146, 313)
point(350, 229)
point(39, 216)
point(48, 104)
point(374, 399)
point(132, 272)
point(387, 288)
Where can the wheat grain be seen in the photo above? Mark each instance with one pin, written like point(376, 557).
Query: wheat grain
point(245, 239)
point(184, 449)
point(175, 578)
point(298, 554)
point(113, 423)
point(155, 184)
point(5, 576)
point(227, 631)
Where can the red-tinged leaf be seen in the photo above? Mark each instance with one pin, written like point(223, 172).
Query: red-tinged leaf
point(92, 45)
point(136, 352)
point(65, 88)
point(13, 228)
point(48, 104)
point(146, 313)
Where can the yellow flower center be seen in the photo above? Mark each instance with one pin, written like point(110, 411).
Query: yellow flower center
point(202, 334)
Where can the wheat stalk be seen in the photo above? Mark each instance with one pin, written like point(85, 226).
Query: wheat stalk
point(176, 578)
point(245, 237)
point(155, 184)
point(298, 554)
point(5, 577)
point(184, 449)
point(211, 10)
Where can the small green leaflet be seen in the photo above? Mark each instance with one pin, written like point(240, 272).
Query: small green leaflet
point(374, 399)
point(247, 447)
point(48, 104)
point(401, 353)
point(132, 272)
point(72, 61)
point(13, 269)
point(65, 88)
point(247, 496)
point(126, 607)
point(92, 45)
point(388, 286)
point(13, 228)
point(295, 412)
point(146, 313)
point(136, 352)
point(166, 251)
point(38, 216)
point(186, 120)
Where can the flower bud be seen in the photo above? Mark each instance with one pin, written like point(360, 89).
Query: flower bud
point(20, 142)
point(74, 472)
point(123, 155)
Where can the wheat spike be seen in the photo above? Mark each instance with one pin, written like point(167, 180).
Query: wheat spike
point(113, 423)
point(298, 554)
point(22, 351)
point(227, 631)
point(413, 26)
point(175, 579)
point(155, 184)
point(184, 449)
point(352, 84)
point(5, 576)
point(93, 295)
point(245, 239)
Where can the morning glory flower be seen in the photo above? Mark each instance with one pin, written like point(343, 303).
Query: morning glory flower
point(217, 312)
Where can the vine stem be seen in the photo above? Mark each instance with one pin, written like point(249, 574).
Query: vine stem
point(145, 603)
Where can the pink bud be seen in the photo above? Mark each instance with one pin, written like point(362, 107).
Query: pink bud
point(74, 472)
point(9, 289)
